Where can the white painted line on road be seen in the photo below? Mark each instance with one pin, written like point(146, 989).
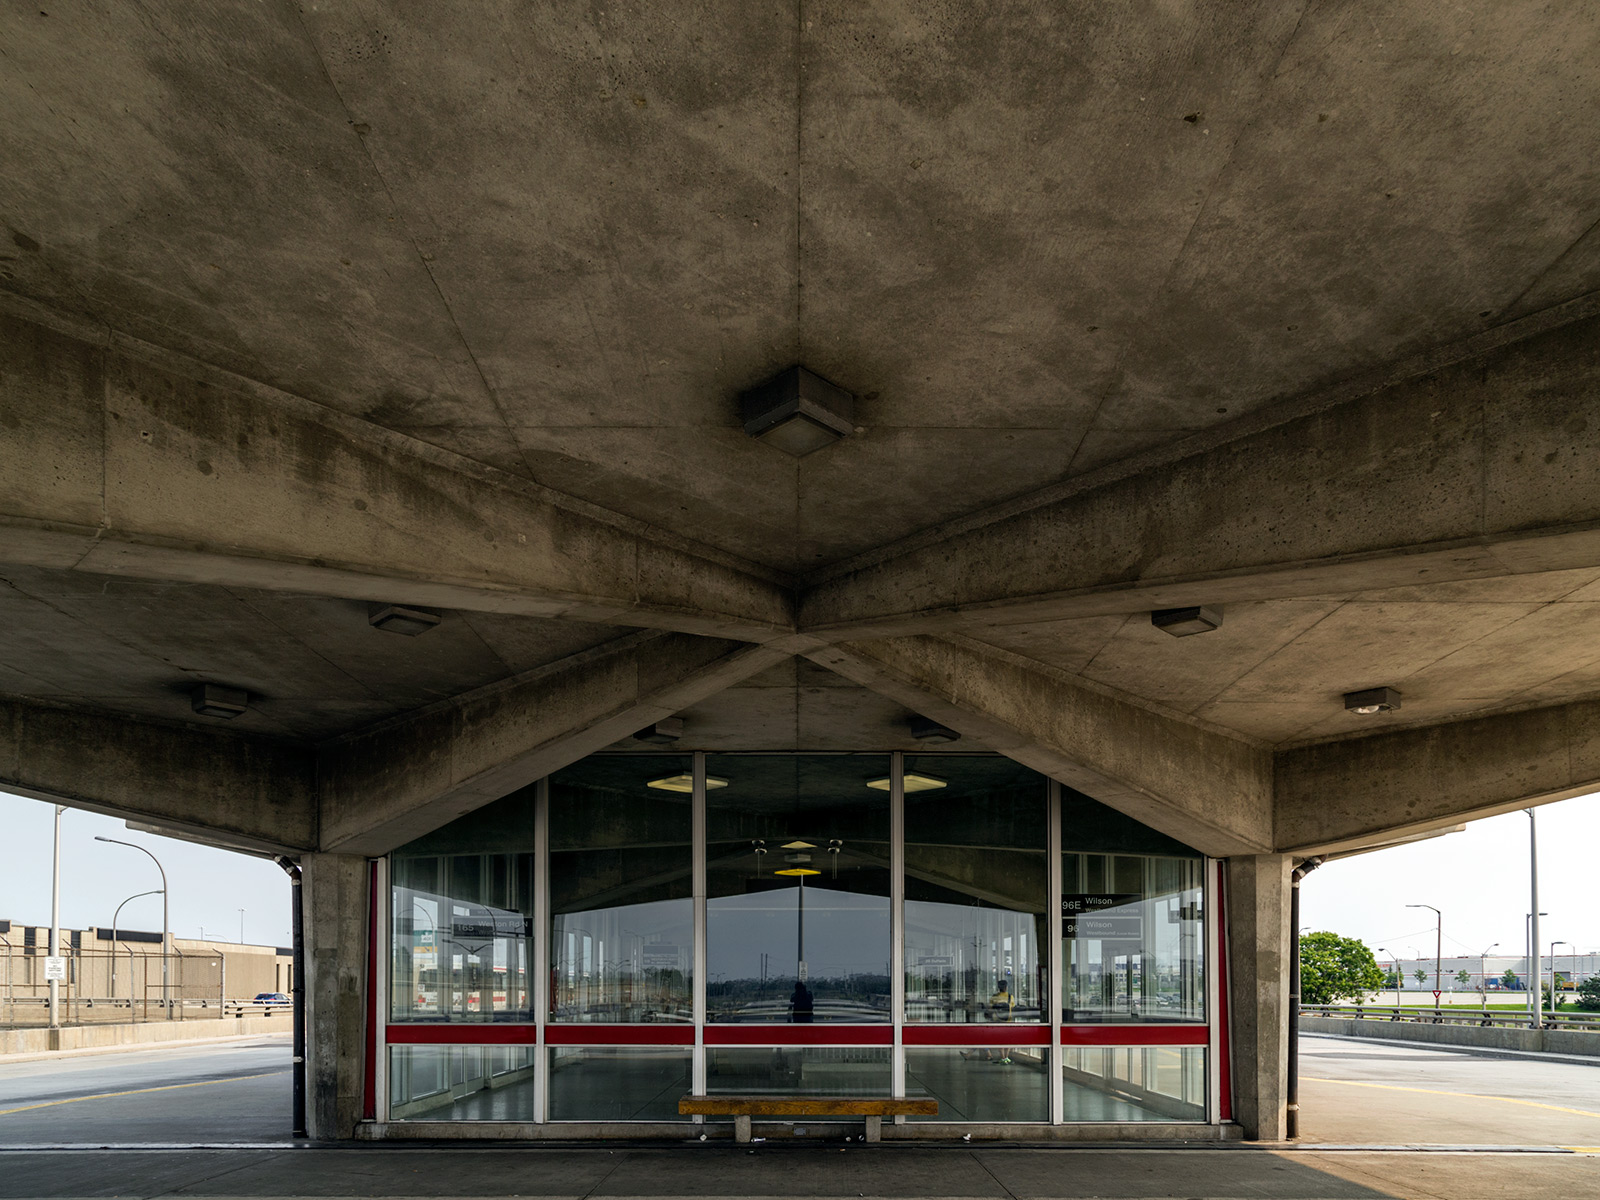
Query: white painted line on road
point(171, 1087)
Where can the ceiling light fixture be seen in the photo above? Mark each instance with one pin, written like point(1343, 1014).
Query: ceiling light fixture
point(1184, 622)
point(684, 783)
point(1372, 700)
point(401, 618)
point(797, 871)
point(797, 411)
point(930, 732)
point(912, 783)
point(664, 731)
point(214, 700)
point(799, 846)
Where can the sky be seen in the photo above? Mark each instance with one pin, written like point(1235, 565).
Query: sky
point(1478, 877)
point(209, 886)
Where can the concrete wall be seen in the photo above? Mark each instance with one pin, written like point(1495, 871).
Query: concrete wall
point(146, 1033)
point(335, 895)
point(1495, 1037)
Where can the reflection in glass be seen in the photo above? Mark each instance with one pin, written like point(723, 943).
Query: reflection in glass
point(617, 1083)
point(621, 891)
point(981, 1083)
point(812, 1070)
point(1134, 1083)
point(461, 919)
point(977, 890)
point(1133, 936)
point(461, 1083)
point(798, 889)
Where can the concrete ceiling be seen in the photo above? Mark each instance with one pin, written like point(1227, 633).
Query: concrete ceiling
point(1280, 306)
point(1032, 238)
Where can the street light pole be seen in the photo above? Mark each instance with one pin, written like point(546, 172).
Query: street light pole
point(1399, 979)
point(1438, 950)
point(1553, 945)
point(241, 927)
point(114, 918)
point(1483, 972)
point(1533, 934)
point(166, 985)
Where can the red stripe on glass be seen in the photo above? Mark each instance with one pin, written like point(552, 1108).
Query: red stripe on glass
point(976, 1035)
point(463, 1035)
point(799, 1035)
point(1134, 1035)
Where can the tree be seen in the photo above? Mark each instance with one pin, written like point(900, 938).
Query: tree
point(1509, 981)
point(1334, 968)
point(1589, 994)
point(1464, 978)
point(1422, 976)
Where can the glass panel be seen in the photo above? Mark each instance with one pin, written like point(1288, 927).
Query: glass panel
point(982, 1084)
point(1134, 1083)
point(1133, 933)
point(617, 1083)
point(621, 890)
point(461, 1083)
point(461, 918)
point(808, 1070)
point(977, 890)
point(798, 888)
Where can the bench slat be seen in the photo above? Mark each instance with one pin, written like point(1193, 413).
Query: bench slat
point(805, 1106)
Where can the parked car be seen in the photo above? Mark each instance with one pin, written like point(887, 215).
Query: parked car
point(272, 998)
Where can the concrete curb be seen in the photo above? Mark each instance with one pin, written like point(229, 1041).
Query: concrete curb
point(1381, 1034)
point(112, 1039)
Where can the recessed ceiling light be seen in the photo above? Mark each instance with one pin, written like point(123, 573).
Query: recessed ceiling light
point(912, 783)
point(401, 618)
point(934, 734)
point(1183, 622)
point(213, 700)
point(1372, 700)
point(684, 783)
point(668, 729)
point(797, 411)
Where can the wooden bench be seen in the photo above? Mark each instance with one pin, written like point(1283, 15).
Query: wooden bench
point(742, 1108)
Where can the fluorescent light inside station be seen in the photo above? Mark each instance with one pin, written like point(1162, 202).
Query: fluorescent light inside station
point(798, 871)
point(913, 783)
point(684, 783)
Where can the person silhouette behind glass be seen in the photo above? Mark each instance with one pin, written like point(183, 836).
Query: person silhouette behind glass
point(800, 1004)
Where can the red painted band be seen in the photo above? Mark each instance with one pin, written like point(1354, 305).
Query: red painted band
point(463, 1035)
point(799, 1035)
point(1134, 1035)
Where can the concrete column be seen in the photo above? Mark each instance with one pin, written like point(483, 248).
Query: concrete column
point(334, 892)
point(1258, 971)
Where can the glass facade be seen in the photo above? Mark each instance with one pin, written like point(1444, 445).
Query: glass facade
point(621, 891)
point(642, 926)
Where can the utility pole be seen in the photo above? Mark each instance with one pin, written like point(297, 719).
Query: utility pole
point(55, 921)
point(1534, 961)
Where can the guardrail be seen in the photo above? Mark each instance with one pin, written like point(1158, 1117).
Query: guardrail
point(33, 1010)
point(1446, 1015)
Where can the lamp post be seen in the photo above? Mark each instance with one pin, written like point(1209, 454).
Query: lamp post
point(1532, 972)
point(55, 921)
point(1438, 949)
point(1399, 979)
point(1483, 972)
point(1533, 929)
point(1553, 946)
point(114, 918)
point(166, 985)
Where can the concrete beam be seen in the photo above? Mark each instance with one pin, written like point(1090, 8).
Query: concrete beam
point(1207, 790)
point(1344, 795)
point(1488, 467)
point(385, 786)
point(336, 892)
point(115, 465)
point(244, 792)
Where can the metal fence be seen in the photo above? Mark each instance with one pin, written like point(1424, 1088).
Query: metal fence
point(118, 986)
point(1454, 1016)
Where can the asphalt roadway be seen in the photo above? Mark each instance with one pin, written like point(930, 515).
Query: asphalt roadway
point(1502, 1127)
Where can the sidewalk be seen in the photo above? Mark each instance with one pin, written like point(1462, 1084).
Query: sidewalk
point(812, 1172)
